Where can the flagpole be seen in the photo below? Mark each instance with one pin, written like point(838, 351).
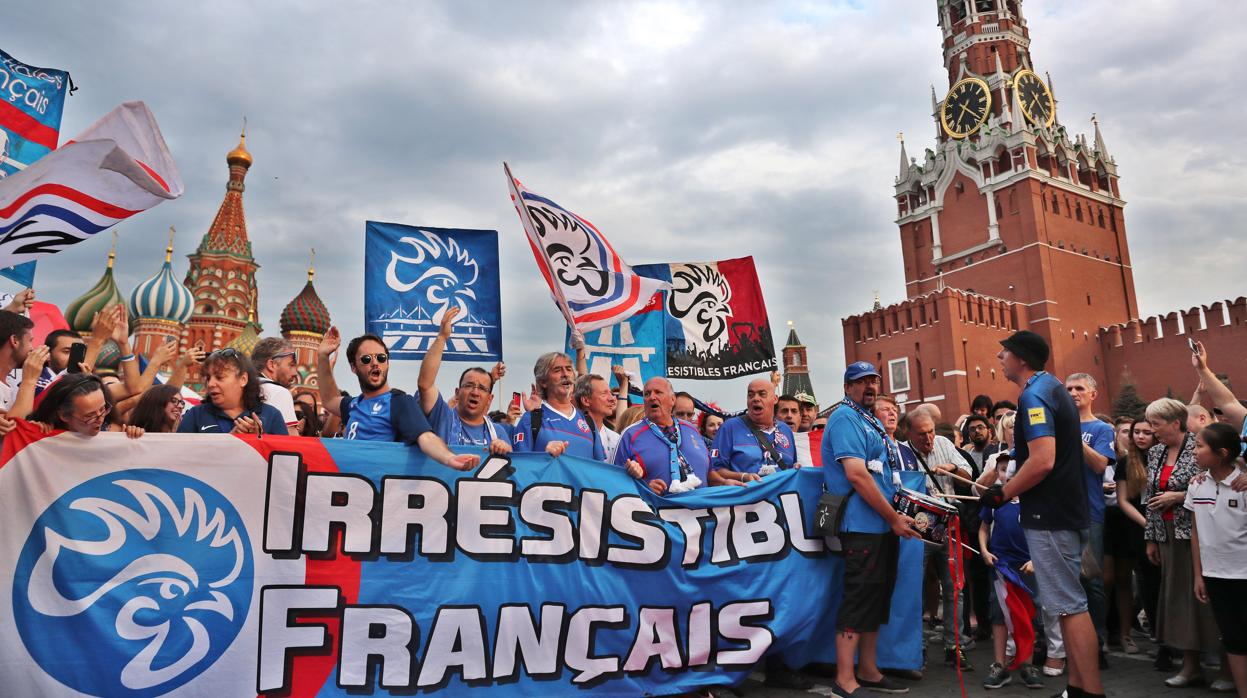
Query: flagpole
point(527, 221)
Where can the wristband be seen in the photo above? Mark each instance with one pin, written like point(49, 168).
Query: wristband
point(127, 357)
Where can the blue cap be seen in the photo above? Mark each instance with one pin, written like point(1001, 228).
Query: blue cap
point(859, 369)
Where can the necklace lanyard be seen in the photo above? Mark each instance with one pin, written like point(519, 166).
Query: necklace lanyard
point(459, 434)
point(679, 468)
point(894, 455)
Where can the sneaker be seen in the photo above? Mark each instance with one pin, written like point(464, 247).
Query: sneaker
point(951, 656)
point(841, 693)
point(1030, 677)
point(997, 677)
point(1221, 686)
point(907, 674)
point(1049, 670)
point(883, 685)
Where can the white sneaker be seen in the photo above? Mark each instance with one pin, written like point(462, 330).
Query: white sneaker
point(1054, 671)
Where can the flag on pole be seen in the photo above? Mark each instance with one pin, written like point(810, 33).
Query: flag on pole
point(1019, 612)
point(118, 167)
point(32, 102)
point(592, 285)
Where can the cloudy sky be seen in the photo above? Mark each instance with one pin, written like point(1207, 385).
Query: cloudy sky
point(686, 131)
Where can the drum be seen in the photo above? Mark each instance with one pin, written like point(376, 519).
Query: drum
point(931, 516)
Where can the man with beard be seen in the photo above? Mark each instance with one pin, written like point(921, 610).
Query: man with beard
point(979, 432)
point(809, 411)
point(753, 445)
point(379, 413)
point(667, 453)
point(273, 357)
point(1050, 481)
point(556, 426)
point(466, 424)
point(16, 339)
point(860, 462)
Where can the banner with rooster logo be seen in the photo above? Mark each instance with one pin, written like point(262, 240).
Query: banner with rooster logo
point(717, 325)
point(413, 275)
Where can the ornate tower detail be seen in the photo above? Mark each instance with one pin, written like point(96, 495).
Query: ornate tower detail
point(304, 321)
point(159, 307)
point(222, 271)
point(796, 366)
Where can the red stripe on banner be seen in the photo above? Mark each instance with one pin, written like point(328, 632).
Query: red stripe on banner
point(310, 672)
point(101, 207)
point(633, 293)
point(23, 435)
point(27, 126)
point(159, 180)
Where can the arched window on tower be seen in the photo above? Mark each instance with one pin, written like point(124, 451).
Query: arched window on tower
point(1100, 217)
point(1056, 206)
point(984, 5)
point(1078, 211)
point(958, 10)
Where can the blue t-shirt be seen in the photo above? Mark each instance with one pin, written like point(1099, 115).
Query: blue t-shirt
point(1008, 540)
point(735, 447)
point(639, 442)
point(205, 418)
point(390, 416)
point(582, 440)
point(1059, 502)
point(447, 424)
point(1100, 437)
point(853, 435)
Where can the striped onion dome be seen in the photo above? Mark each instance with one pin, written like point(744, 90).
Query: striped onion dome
point(162, 297)
point(81, 311)
point(306, 313)
point(246, 341)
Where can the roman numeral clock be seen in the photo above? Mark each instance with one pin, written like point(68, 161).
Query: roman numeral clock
point(1036, 99)
point(966, 107)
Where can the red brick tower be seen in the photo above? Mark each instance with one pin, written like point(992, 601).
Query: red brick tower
point(1009, 222)
point(222, 270)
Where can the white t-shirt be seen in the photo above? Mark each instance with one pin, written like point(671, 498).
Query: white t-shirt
point(610, 443)
point(279, 397)
point(1221, 515)
point(943, 452)
point(8, 394)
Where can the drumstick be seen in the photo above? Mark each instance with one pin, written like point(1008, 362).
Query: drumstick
point(966, 480)
point(966, 497)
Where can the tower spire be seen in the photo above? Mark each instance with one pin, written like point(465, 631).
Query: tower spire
point(311, 266)
point(1100, 147)
point(169, 248)
point(900, 136)
point(112, 252)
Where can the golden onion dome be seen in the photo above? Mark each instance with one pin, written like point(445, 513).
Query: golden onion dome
point(239, 156)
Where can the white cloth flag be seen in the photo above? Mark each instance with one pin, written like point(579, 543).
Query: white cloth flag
point(118, 167)
point(591, 283)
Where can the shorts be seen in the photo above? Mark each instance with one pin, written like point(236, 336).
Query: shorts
point(1228, 598)
point(869, 577)
point(1057, 556)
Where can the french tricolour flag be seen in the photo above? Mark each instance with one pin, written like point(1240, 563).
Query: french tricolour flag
point(118, 167)
point(1015, 599)
point(592, 285)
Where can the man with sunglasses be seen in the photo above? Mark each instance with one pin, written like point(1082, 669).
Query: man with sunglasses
point(274, 359)
point(379, 412)
point(465, 424)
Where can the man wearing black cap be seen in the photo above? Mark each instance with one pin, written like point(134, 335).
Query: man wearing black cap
point(1055, 511)
point(859, 462)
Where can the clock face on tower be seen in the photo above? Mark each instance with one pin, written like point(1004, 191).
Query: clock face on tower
point(1036, 100)
point(966, 107)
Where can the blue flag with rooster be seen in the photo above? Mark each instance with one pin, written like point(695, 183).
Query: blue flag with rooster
point(413, 275)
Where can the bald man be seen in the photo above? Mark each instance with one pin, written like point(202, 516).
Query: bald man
point(752, 445)
point(667, 453)
point(1197, 417)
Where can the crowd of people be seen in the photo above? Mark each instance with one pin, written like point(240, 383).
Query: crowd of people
point(1120, 527)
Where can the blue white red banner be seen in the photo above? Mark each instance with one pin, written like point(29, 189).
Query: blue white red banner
point(717, 324)
point(118, 167)
point(592, 285)
point(638, 344)
point(31, 103)
point(413, 275)
point(228, 566)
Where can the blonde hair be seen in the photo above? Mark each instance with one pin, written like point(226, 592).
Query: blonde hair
point(1168, 409)
point(631, 416)
point(1005, 422)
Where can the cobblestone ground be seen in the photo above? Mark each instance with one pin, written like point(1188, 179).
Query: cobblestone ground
point(1127, 675)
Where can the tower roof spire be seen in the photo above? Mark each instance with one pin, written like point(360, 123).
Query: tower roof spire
point(900, 136)
point(1100, 147)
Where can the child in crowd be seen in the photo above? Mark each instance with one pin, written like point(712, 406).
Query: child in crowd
point(1219, 542)
point(1002, 541)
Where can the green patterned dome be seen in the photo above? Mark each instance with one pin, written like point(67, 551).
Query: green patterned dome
point(246, 341)
point(81, 311)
